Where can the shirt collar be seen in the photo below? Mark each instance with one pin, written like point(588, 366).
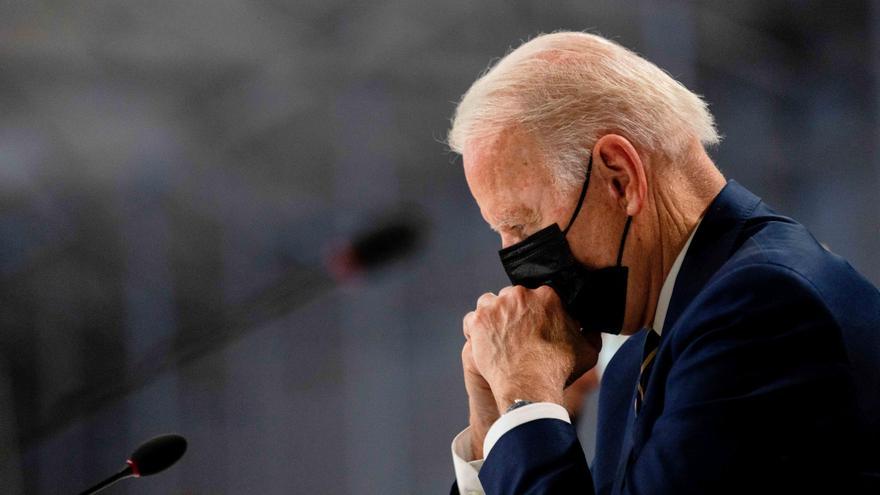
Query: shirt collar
point(669, 284)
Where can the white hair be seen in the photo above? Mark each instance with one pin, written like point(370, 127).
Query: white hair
point(568, 89)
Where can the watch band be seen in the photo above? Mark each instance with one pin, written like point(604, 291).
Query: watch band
point(517, 404)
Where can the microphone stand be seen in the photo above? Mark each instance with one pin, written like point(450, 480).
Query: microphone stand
point(298, 285)
point(121, 475)
point(296, 288)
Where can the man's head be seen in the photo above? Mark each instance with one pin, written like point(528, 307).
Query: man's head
point(527, 128)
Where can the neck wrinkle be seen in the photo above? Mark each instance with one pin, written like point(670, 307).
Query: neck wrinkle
point(675, 222)
point(682, 193)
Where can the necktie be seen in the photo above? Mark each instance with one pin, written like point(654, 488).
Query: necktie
point(652, 342)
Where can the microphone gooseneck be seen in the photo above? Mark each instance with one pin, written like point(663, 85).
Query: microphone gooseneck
point(154, 456)
point(121, 475)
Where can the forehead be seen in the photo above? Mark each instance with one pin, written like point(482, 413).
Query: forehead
point(507, 177)
point(506, 159)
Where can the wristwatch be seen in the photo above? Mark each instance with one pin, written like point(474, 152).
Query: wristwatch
point(518, 403)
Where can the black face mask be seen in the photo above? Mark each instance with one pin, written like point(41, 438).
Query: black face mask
point(595, 298)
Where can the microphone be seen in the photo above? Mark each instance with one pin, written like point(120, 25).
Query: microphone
point(391, 240)
point(152, 457)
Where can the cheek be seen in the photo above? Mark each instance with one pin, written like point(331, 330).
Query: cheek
point(594, 249)
point(584, 253)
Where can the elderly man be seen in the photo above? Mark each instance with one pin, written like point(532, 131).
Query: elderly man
point(754, 361)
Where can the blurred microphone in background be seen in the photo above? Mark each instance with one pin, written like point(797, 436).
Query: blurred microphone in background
point(392, 238)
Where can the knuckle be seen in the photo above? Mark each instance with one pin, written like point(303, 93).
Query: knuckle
point(471, 322)
point(485, 298)
point(545, 292)
point(466, 324)
point(517, 292)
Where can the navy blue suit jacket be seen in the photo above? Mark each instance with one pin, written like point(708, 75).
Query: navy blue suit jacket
point(767, 379)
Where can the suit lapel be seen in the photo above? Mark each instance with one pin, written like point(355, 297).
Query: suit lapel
point(713, 244)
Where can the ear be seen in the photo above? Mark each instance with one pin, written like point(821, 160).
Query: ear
point(616, 160)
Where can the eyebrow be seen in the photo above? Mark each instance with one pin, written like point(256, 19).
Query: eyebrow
point(513, 217)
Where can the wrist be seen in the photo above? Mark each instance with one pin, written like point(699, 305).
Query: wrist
point(479, 428)
point(518, 403)
point(483, 414)
point(509, 398)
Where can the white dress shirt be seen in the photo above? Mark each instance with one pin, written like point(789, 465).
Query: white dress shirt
point(467, 469)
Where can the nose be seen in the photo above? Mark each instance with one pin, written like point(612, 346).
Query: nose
point(508, 240)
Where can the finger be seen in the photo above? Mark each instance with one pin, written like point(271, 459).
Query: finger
point(486, 299)
point(546, 293)
point(507, 290)
point(544, 290)
point(514, 291)
point(466, 324)
point(467, 358)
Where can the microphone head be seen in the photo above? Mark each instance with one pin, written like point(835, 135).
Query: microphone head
point(157, 455)
point(395, 237)
point(390, 241)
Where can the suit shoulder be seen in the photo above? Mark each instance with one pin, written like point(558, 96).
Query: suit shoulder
point(781, 241)
point(755, 281)
point(779, 253)
point(743, 302)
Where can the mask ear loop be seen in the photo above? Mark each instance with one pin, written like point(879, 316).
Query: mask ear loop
point(629, 220)
point(577, 208)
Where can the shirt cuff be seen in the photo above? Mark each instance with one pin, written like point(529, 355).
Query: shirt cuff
point(467, 469)
point(520, 415)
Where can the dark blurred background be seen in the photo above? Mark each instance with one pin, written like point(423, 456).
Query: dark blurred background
point(173, 175)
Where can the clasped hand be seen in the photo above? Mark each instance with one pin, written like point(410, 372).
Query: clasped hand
point(521, 344)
